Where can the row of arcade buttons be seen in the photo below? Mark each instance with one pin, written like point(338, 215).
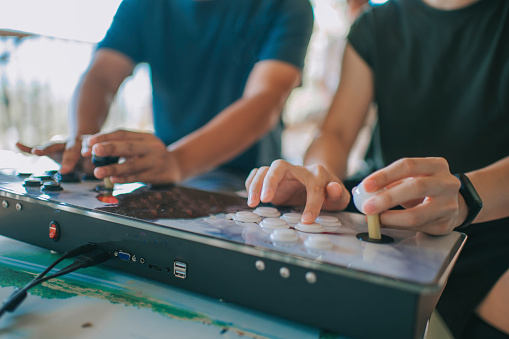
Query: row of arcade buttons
point(283, 228)
point(50, 181)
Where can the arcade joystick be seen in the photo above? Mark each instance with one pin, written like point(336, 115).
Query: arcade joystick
point(104, 161)
point(68, 177)
point(374, 235)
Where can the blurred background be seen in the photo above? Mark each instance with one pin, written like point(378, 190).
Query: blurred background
point(45, 46)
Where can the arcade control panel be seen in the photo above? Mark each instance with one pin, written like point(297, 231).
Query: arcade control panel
point(263, 258)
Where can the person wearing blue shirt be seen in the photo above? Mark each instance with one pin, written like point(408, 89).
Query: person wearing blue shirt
point(221, 72)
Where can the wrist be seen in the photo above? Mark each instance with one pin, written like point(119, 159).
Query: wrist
point(175, 171)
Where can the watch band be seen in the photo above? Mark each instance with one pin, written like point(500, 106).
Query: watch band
point(472, 199)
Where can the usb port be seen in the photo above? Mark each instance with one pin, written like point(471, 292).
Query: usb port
point(180, 269)
point(124, 256)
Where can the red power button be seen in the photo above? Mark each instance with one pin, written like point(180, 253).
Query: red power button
point(54, 230)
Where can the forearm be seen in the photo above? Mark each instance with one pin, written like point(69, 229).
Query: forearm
point(96, 91)
point(328, 151)
point(492, 184)
point(90, 106)
point(235, 129)
point(345, 118)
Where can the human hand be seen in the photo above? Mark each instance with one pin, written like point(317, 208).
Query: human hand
point(425, 188)
point(290, 185)
point(144, 157)
point(66, 153)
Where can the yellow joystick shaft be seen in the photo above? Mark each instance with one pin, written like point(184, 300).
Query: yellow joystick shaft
point(107, 183)
point(374, 226)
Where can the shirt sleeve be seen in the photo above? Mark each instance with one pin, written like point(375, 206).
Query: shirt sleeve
point(125, 32)
point(289, 36)
point(362, 38)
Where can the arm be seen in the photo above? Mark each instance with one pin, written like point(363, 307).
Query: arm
point(93, 97)
point(317, 185)
point(346, 116)
point(228, 134)
point(96, 90)
point(492, 184)
point(242, 123)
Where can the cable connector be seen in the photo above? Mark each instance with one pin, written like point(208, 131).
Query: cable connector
point(80, 250)
point(14, 300)
point(93, 258)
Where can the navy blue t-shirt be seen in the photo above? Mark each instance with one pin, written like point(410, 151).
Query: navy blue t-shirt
point(202, 52)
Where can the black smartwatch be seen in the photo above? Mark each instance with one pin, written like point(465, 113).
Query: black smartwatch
point(472, 198)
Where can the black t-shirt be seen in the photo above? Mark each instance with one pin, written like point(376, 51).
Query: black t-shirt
point(441, 80)
point(442, 89)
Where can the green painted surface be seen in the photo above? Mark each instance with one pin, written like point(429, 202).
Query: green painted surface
point(59, 289)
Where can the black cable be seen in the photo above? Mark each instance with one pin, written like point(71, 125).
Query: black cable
point(85, 260)
point(70, 254)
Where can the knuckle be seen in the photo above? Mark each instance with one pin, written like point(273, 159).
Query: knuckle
point(121, 132)
point(452, 207)
point(387, 199)
point(130, 147)
point(112, 170)
point(454, 184)
point(409, 164)
point(317, 189)
point(319, 172)
point(278, 163)
point(419, 186)
point(442, 163)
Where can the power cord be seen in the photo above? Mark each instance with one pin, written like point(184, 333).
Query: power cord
point(89, 255)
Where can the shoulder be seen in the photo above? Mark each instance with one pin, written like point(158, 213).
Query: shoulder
point(293, 12)
point(136, 8)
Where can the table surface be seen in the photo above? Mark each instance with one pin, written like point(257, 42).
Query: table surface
point(100, 302)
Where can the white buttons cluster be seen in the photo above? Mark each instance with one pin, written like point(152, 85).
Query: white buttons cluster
point(284, 229)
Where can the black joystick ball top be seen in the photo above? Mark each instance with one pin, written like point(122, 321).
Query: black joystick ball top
point(104, 161)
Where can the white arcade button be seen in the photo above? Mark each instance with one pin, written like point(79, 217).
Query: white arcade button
point(310, 228)
point(273, 223)
point(318, 242)
point(246, 216)
point(292, 218)
point(284, 235)
point(328, 221)
point(267, 212)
